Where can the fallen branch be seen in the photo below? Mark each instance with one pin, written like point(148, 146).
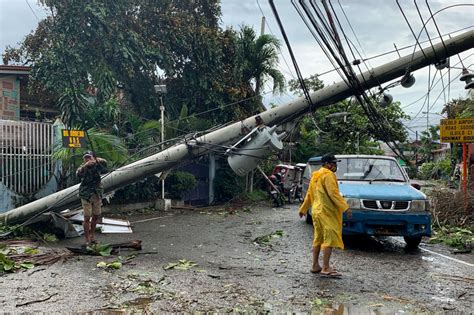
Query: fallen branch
point(135, 244)
point(36, 301)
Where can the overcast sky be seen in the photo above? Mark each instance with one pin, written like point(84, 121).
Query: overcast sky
point(378, 25)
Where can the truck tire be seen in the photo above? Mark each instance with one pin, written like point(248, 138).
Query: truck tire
point(412, 241)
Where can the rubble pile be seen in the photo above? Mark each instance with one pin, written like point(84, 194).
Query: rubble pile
point(448, 207)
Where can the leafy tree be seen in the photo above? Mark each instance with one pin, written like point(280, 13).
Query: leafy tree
point(83, 51)
point(312, 83)
point(343, 127)
point(459, 108)
point(429, 141)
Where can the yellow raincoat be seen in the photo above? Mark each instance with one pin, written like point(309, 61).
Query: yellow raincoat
point(327, 206)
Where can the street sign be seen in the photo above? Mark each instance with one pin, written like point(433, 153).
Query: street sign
point(457, 130)
point(74, 138)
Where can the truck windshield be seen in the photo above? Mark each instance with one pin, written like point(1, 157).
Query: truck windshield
point(369, 170)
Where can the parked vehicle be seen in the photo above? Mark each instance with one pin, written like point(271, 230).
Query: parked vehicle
point(289, 180)
point(275, 190)
point(381, 198)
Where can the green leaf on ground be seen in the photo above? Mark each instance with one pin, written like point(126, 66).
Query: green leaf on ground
point(182, 264)
point(266, 239)
point(27, 265)
point(31, 251)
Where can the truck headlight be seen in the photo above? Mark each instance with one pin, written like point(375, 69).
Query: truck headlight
point(353, 203)
point(420, 205)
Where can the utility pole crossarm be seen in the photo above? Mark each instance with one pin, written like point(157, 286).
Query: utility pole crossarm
point(181, 152)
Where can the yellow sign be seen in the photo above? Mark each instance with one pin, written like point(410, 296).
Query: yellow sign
point(457, 130)
point(74, 138)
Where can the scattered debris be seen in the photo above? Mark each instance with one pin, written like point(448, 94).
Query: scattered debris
point(460, 238)
point(448, 207)
point(107, 225)
point(103, 249)
point(116, 264)
point(266, 239)
point(20, 254)
point(36, 301)
point(455, 278)
point(182, 264)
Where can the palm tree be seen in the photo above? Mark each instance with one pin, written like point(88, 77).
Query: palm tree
point(259, 57)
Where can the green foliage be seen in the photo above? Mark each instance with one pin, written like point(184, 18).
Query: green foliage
point(178, 183)
point(144, 190)
point(435, 170)
point(459, 108)
point(454, 236)
point(114, 265)
point(429, 142)
point(259, 57)
point(266, 239)
point(7, 264)
point(227, 185)
point(100, 249)
point(351, 134)
point(83, 53)
point(312, 83)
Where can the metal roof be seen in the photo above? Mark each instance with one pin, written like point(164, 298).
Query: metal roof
point(7, 69)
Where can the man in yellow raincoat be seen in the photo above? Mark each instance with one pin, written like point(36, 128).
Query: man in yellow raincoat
point(327, 206)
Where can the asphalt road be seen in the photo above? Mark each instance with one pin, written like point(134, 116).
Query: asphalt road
point(234, 272)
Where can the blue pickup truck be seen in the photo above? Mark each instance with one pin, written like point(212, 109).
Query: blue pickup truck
point(379, 193)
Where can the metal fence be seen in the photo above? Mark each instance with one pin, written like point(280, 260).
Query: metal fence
point(26, 164)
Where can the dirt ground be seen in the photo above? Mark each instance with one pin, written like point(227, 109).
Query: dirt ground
point(239, 270)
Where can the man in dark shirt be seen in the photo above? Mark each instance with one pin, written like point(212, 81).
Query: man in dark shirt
point(90, 192)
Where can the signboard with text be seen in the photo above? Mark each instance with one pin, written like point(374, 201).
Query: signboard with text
point(457, 130)
point(74, 138)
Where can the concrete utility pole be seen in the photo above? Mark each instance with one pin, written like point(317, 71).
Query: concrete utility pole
point(193, 148)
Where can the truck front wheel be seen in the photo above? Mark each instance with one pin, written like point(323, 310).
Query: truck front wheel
point(412, 241)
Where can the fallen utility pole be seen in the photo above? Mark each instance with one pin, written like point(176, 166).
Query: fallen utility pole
point(193, 148)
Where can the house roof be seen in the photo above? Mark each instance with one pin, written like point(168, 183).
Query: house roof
point(7, 69)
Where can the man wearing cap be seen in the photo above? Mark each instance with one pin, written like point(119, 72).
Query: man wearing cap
point(327, 206)
point(90, 192)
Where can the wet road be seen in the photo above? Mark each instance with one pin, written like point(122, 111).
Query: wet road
point(233, 273)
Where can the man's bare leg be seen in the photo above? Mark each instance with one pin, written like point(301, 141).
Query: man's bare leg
point(87, 227)
point(327, 251)
point(327, 269)
point(94, 220)
point(315, 266)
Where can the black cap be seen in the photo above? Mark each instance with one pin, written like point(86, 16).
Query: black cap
point(88, 153)
point(329, 158)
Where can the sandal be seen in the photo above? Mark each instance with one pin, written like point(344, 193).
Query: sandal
point(316, 271)
point(331, 274)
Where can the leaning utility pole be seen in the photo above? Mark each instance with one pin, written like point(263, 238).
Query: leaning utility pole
point(202, 145)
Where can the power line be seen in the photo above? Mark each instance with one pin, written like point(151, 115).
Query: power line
point(426, 31)
point(31, 9)
point(269, 28)
point(411, 29)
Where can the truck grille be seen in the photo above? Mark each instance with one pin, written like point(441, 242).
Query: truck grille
point(386, 205)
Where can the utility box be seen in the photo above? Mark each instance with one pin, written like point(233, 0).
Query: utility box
point(163, 204)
